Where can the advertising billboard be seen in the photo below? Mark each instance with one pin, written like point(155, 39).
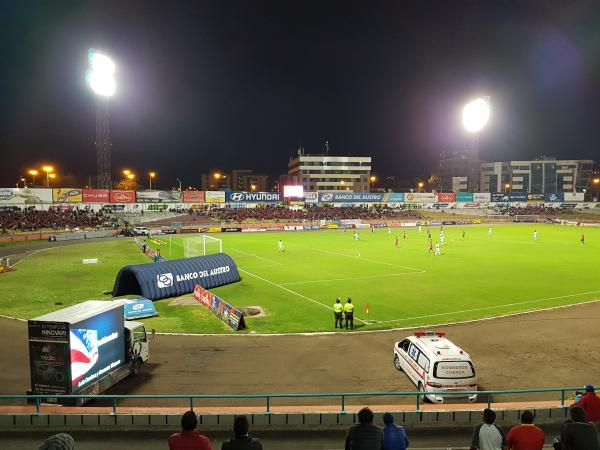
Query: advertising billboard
point(420, 197)
point(554, 197)
point(214, 196)
point(394, 197)
point(67, 195)
point(97, 345)
point(446, 197)
point(27, 196)
point(573, 196)
point(49, 357)
point(122, 196)
point(193, 196)
point(465, 197)
point(293, 191)
point(482, 197)
point(351, 197)
point(253, 197)
point(517, 197)
point(311, 197)
point(499, 197)
point(96, 196)
point(158, 196)
point(535, 197)
point(220, 308)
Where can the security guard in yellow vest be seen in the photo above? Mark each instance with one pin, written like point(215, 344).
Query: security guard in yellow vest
point(349, 313)
point(338, 308)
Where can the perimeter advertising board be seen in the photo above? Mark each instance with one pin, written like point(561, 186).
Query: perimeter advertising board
point(193, 196)
point(122, 196)
point(446, 197)
point(464, 197)
point(67, 195)
point(394, 197)
point(311, 197)
point(535, 197)
point(220, 308)
point(573, 196)
point(96, 196)
point(557, 197)
point(517, 197)
point(420, 197)
point(158, 196)
point(481, 197)
point(499, 197)
point(253, 197)
point(25, 196)
point(351, 197)
point(214, 196)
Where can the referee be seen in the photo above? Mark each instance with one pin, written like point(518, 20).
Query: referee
point(349, 313)
point(337, 312)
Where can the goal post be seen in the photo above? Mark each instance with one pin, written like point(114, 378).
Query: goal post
point(202, 245)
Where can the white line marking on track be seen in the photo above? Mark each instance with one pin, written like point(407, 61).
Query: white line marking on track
point(256, 256)
point(293, 292)
point(351, 278)
point(32, 253)
point(489, 307)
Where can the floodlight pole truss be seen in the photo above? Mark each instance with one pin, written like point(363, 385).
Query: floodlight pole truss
point(103, 144)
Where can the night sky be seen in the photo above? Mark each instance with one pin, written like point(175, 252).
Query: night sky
point(204, 85)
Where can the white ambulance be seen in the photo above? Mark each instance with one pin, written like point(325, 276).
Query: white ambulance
point(434, 364)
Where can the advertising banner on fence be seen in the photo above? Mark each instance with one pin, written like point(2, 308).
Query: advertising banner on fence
point(499, 197)
point(96, 196)
point(394, 197)
point(158, 196)
point(253, 197)
point(67, 195)
point(573, 196)
point(311, 197)
point(220, 308)
point(446, 197)
point(483, 197)
point(18, 196)
point(517, 197)
point(138, 308)
point(554, 197)
point(465, 197)
point(193, 196)
point(214, 197)
point(121, 196)
point(420, 197)
point(535, 197)
point(354, 197)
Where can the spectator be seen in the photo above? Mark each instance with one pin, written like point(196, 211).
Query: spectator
point(526, 436)
point(576, 433)
point(60, 441)
point(394, 436)
point(488, 435)
point(590, 404)
point(241, 441)
point(364, 435)
point(188, 438)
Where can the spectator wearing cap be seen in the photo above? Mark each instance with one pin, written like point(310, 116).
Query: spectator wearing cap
point(488, 435)
point(576, 433)
point(60, 441)
point(526, 436)
point(242, 440)
point(394, 436)
point(188, 438)
point(590, 404)
point(364, 435)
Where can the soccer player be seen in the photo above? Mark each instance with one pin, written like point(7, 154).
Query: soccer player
point(397, 241)
point(404, 232)
point(463, 234)
point(535, 235)
point(419, 228)
point(437, 249)
point(389, 230)
point(582, 240)
point(490, 231)
point(281, 246)
point(442, 238)
point(355, 236)
point(430, 246)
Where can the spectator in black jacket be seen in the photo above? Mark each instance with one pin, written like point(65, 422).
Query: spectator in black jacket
point(364, 435)
point(576, 433)
point(241, 441)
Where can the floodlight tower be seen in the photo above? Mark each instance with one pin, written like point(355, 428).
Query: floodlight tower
point(476, 115)
point(100, 77)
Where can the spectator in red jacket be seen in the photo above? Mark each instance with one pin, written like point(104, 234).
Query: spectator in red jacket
point(590, 404)
point(526, 436)
point(189, 438)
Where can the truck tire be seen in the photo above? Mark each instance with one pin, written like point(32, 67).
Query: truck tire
point(397, 363)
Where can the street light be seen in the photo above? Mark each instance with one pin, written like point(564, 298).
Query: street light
point(51, 176)
point(33, 173)
point(506, 187)
point(421, 184)
point(130, 176)
point(24, 183)
point(48, 170)
point(253, 187)
point(126, 172)
point(150, 176)
point(179, 181)
point(217, 175)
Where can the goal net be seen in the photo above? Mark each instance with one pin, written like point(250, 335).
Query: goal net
point(533, 218)
point(202, 245)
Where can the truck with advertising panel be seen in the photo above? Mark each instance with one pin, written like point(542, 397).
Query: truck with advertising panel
point(84, 349)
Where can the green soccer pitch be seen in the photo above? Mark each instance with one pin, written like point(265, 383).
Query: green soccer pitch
point(476, 277)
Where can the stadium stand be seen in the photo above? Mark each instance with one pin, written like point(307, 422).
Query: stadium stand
point(30, 219)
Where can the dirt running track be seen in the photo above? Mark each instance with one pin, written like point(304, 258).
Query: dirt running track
point(552, 348)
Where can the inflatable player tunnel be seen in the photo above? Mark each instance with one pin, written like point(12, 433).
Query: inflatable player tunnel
point(176, 277)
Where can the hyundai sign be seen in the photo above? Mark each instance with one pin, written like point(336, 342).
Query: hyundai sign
point(253, 197)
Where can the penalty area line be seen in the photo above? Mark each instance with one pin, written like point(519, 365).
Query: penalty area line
point(351, 278)
point(293, 292)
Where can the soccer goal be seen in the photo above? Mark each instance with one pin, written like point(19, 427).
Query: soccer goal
point(522, 218)
point(202, 245)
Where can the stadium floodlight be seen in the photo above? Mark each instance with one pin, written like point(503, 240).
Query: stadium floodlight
point(101, 74)
point(476, 114)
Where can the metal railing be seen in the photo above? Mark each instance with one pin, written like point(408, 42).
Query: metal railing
point(343, 396)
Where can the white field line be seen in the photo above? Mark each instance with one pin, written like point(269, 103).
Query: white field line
point(362, 259)
point(293, 292)
point(488, 307)
point(256, 256)
point(351, 278)
point(32, 253)
point(258, 265)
